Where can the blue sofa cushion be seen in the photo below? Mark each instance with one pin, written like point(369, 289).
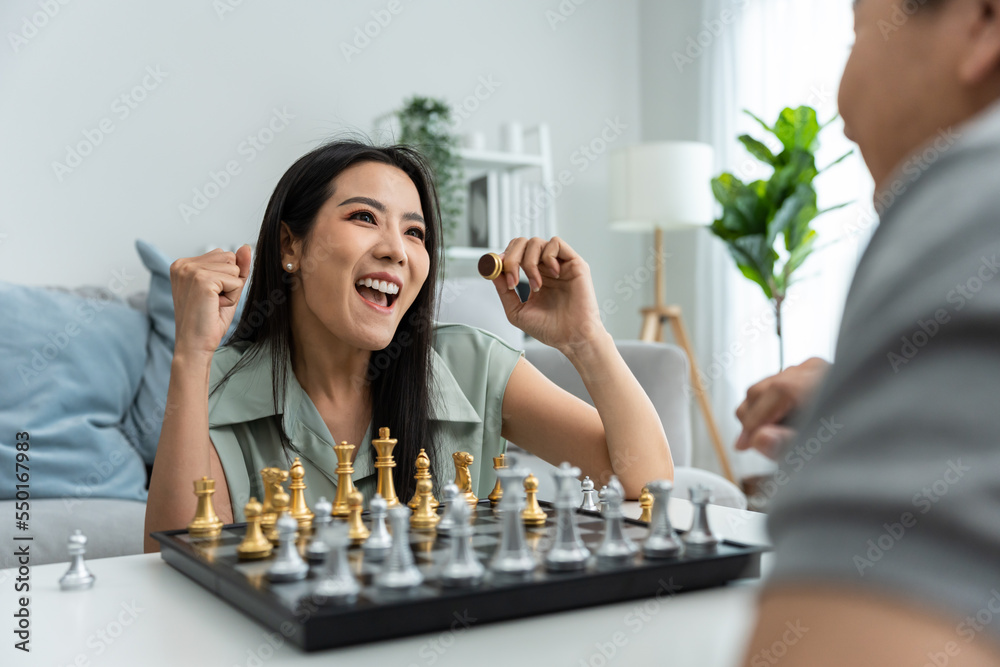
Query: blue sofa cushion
point(145, 416)
point(71, 365)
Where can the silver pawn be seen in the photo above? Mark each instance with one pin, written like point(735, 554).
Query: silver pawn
point(318, 548)
point(700, 536)
point(662, 541)
point(569, 552)
point(78, 577)
point(399, 570)
point(337, 585)
point(447, 522)
point(512, 555)
point(379, 542)
point(588, 495)
point(616, 547)
point(462, 568)
point(288, 564)
point(602, 499)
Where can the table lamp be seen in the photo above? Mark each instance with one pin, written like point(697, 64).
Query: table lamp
point(657, 186)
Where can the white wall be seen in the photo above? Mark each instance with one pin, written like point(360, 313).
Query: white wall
point(224, 76)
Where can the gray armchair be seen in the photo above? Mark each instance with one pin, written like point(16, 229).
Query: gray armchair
point(661, 368)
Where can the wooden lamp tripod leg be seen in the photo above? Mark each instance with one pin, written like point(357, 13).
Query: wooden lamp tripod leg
point(677, 325)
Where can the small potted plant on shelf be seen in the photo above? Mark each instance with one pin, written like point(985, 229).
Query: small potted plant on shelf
point(425, 124)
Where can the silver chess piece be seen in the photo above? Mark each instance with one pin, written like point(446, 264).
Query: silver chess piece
point(399, 570)
point(448, 495)
point(379, 542)
point(662, 541)
point(587, 485)
point(569, 552)
point(700, 536)
point(616, 547)
point(77, 577)
point(336, 585)
point(602, 499)
point(288, 564)
point(462, 568)
point(512, 555)
point(318, 548)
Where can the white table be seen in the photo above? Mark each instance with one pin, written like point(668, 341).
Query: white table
point(142, 612)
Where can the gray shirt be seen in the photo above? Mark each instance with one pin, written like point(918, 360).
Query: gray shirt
point(893, 483)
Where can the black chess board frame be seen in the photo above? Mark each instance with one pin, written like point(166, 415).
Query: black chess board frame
point(383, 615)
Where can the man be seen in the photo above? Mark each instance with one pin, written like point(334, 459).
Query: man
point(887, 525)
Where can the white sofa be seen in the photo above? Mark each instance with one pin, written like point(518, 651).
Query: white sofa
point(662, 370)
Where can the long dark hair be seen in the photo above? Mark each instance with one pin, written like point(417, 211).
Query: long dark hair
point(399, 376)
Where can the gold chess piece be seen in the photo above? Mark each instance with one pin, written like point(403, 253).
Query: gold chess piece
point(357, 530)
point(497, 493)
point(254, 544)
point(490, 266)
point(646, 503)
point(532, 514)
point(345, 485)
point(463, 480)
point(424, 517)
point(423, 472)
point(273, 478)
point(384, 463)
point(281, 501)
point(206, 522)
point(299, 510)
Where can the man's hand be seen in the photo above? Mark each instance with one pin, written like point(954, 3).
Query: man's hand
point(771, 400)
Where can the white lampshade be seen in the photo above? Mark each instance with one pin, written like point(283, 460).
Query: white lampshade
point(663, 184)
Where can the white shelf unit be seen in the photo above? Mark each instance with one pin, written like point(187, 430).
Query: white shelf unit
point(517, 200)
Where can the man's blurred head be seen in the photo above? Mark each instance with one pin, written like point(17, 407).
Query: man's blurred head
point(917, 67)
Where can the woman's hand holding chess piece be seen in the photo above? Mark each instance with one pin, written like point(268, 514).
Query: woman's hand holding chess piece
point(561, 310)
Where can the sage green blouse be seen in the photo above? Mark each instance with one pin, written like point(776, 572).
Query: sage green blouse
point(470, 368)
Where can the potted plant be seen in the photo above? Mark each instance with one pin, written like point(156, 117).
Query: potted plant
point(425, 124)
point(767, 225)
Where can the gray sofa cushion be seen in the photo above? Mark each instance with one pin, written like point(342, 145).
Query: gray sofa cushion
point(112, 527)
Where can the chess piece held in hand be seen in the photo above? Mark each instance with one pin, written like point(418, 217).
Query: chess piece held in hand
point(77, 577)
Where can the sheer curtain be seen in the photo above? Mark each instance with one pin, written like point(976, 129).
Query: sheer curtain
point(772, 54)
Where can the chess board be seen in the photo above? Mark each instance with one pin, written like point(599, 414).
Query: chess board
point(380, 614)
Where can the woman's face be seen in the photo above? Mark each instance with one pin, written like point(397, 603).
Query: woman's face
point(364, 261)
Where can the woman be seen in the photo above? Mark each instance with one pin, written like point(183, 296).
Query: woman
point(337, 340)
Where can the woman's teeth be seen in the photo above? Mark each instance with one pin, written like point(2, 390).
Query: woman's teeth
point(380, 285)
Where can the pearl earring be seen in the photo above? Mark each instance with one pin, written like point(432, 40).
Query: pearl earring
point(288, 266)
